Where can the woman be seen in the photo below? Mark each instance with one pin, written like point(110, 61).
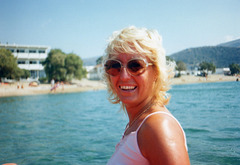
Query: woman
point(137, 77)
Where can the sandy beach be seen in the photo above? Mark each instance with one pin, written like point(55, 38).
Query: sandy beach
point(22, 89)
point(189, 79)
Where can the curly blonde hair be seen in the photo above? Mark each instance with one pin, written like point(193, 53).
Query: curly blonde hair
point(148, 43)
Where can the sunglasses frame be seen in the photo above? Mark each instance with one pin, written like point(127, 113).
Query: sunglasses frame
point(122, 66)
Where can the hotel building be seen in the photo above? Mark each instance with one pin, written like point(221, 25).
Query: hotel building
point(29, 57)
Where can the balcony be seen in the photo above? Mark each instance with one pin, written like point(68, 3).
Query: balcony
point(31, 66)
point(30, 55)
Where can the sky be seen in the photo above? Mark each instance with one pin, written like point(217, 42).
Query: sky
point(84, 26)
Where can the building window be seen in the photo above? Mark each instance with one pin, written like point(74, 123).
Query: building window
point(20, 51)
point(32, 62)
point(21, 62)
point(32, 51)
point(41, 51)
point(33, 73)
point(12, 50)
point(42, 73)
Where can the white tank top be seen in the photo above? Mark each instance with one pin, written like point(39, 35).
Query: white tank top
point(127, 151)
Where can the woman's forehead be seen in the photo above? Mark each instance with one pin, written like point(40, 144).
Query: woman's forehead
point(126, 57)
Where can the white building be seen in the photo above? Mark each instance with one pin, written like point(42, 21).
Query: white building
point(29, 57)
point(94, 72)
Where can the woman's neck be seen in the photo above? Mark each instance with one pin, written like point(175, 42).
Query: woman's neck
point(134, 110)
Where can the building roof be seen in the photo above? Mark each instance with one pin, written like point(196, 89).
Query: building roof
point(24, 46)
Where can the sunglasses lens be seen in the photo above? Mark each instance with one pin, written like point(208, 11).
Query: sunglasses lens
point(136, 67)
point(112, 67)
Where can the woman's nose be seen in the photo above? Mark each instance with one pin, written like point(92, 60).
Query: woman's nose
point(124, 75)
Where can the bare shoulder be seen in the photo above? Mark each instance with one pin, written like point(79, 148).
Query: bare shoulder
point(161, 140)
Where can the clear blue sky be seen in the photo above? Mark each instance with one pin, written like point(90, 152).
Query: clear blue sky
point(83, 26)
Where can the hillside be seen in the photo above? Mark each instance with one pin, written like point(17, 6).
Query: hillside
point(219, 55)
point(90, 61)
point(235, 43)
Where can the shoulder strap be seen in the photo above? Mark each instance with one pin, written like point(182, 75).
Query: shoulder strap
point(159, 112)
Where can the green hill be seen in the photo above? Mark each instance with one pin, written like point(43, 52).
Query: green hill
point(221, 56)
point(235, 43)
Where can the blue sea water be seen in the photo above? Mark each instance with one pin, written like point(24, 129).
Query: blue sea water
point(83, 128)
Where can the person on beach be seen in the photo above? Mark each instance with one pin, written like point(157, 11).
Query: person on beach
point(62, 84)
point(52, 83)
point(137, 77)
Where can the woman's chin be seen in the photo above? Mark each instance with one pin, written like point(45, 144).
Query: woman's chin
point(129, 101)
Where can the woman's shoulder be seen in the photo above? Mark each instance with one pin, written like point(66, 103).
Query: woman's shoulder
point(161, 137)
point(161, 122)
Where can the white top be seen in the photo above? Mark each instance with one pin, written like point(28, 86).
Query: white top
point(127, 151)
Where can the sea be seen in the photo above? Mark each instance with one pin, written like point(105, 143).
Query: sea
point(83, 128)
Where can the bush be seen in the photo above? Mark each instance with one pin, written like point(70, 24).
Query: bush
point(43, 79)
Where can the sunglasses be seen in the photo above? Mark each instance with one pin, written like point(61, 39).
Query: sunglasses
point(135, 67)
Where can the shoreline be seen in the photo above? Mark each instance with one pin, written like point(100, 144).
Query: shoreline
point(191, 79)
point(23, 89)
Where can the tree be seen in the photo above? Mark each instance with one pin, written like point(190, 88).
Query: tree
point(25, 73)
point(62, 67)
point(99, 60)
point(74, 67)
point(180, 66)
point(8, 64)
point(234, 68)
point(9, 67)
point(207, 66)
point(54, 65)
point(168, 58)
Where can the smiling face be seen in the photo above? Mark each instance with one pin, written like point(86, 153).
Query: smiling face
point(133, 90)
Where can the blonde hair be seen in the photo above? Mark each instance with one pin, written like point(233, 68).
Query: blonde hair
point(148, 43)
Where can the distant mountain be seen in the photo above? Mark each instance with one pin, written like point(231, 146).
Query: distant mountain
point(235, 43)
point(90, 61)
point(222, 55)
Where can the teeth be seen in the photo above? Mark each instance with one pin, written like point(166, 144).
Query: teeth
point(127, 87)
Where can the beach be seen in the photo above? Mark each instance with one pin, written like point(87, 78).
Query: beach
point(190, 79)
point(22, 89)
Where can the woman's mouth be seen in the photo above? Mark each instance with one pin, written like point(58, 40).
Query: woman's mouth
point(127, 88)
